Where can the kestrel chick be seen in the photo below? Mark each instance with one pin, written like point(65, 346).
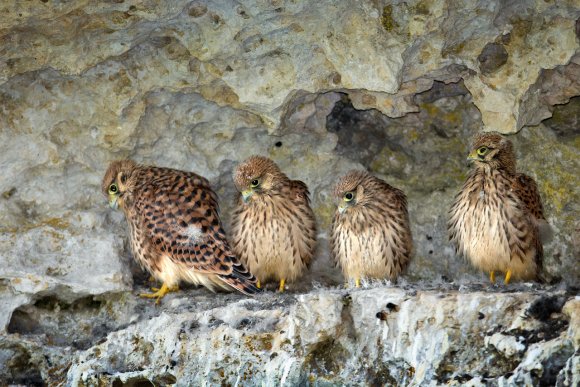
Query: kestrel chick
point(495, 219)
point(370, 236)
point(176, 233)
point(274, 229)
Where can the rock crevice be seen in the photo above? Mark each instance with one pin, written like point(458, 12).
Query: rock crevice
point(321, 87)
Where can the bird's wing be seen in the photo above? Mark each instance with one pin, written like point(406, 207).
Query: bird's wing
point(398, 201)
point(527, 191)
point(299, 191)
point(184, 225)
point(334, 241)
point(395, 193)
point(304, 229)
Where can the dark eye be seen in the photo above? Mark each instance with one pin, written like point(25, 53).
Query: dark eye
point(481, 151)
point(113, 189)
point(348, 196)
point(255, 183)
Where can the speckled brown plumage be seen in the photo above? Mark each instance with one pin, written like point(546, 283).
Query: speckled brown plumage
point(496, 217)
point(273, 227)
point(370, 236)
point(176, 233)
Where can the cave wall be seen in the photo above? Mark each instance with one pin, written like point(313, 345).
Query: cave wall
point(322, 87)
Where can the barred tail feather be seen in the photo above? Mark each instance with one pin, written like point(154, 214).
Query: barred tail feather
point(241, 279)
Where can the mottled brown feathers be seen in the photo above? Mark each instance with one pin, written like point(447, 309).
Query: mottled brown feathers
point(370, 235)
point(256, 167)
point(125, 166)
point(350, 181)
point(274, 232)
point(501, 154)
point(494, 220)
point(527, 191)
point(176, 232)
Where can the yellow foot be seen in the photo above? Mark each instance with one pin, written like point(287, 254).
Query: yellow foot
point(258, 285)
point(357, 282)
point(282, 283)
point(492, 277)
point(508, 276)
point(160, 293)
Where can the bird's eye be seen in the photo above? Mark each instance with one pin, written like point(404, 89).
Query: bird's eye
point(255, 183)
point(113, 189)
point(348, 196)
point(481, 151)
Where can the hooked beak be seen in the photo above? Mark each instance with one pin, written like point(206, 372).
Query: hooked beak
point(246, 195)
point(342, 208)
point(113, 202)
point(473, 156)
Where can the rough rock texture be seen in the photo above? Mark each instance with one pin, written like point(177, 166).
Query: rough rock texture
point(321, 87)
point(374, 336)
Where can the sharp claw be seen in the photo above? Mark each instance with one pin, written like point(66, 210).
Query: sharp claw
point(160, 293)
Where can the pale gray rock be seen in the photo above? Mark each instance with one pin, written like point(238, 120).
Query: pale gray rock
point(321, 87)
point(508, 345)
point(378, 335)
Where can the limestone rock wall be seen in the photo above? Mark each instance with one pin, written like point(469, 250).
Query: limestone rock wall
point(319, 86)
point(369, 337)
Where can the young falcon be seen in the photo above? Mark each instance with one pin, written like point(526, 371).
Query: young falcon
point(496, 218)
point(370, 236)
point(176, 233)
point(273, 226)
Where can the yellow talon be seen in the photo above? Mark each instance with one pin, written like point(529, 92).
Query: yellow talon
point(492, 277)
point(258, 284)
point(282, 283)
point(160, 293)
point(508, 276)
point(357, 282)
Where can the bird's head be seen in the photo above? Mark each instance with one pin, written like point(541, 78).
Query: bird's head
point(349, 192)
point(257, 176)
point(493, 150)
point(119, 182)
